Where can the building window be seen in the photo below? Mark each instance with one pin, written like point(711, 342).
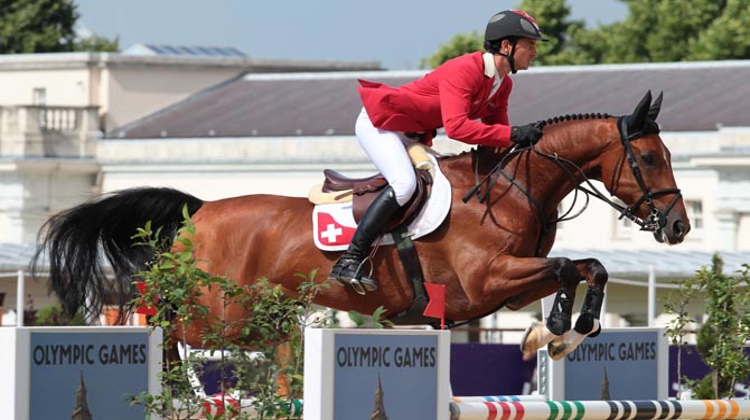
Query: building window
point(695, 213)
point(40, 100)
point(40, 97)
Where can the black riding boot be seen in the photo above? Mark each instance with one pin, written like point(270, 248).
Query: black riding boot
point(348, 269)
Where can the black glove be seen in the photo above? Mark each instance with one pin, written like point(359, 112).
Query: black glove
point(525, 135)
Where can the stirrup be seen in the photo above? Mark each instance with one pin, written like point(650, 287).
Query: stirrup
point(360, 283)
point(363, 285)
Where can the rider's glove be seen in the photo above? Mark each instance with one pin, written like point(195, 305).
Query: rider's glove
point(525, 135)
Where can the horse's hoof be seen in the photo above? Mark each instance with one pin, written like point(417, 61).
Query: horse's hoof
point(531, 342)
point(557, 351)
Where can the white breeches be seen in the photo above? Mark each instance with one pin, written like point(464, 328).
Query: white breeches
point(387, 152)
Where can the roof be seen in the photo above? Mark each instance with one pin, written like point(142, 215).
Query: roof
point(15, 256)
point(79, 60)
point(667, 263)
point(183, 50)
point(698, 96)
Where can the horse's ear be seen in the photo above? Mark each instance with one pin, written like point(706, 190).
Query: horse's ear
point(637, 120)
point(653, 112)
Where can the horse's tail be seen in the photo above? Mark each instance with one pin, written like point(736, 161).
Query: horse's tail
point(76, 245)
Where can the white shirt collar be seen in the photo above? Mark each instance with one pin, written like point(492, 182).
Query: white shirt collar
point(489, 65)
point(491, 71)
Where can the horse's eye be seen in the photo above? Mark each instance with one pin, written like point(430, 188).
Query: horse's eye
point(648, 158)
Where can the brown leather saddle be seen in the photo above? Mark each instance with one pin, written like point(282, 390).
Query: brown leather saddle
point(366, 189)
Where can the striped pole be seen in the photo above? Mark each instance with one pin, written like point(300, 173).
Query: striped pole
point(601, 410)
point(500, 398)
point(215, 405)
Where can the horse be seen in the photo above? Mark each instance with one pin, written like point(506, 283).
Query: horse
point(490, 252)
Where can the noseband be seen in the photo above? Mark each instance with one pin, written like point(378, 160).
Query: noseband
point(656, 219)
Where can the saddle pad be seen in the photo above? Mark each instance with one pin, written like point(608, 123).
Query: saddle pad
point(334, 226)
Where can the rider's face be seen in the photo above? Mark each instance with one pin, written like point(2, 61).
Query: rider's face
point(524, 54)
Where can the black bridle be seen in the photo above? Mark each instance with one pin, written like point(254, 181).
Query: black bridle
point(655, 221)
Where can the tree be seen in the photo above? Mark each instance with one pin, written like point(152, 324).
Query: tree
point(458, 45)
point(721, 339)
point(98, 43)
point(727, 36)
point(556, 27)
point(553, 19)
point(38, 26)
point(653, 31)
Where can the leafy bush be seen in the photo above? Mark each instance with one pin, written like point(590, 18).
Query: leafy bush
point(720, 340)
point(175, 280)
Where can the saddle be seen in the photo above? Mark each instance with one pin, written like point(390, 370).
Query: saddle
point(362, 191)
point(337, 187)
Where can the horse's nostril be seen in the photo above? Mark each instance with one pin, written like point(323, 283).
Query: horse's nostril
point(680, 229)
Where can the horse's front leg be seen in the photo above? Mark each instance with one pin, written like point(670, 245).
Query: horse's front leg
point(559, 319)
point(588, 322)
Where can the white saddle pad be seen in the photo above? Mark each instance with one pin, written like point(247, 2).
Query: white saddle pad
point(334, 226)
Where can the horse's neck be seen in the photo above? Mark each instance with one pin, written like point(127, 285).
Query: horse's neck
point(580, 142)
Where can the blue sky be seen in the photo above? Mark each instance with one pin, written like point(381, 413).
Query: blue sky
point(398, 33)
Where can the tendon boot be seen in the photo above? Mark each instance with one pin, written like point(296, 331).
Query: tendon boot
point(348, 269)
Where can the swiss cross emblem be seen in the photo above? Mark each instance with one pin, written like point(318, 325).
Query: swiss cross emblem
point(331, 232)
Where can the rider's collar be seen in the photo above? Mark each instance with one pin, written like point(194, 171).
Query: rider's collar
point(491, 71)
point(489, 65)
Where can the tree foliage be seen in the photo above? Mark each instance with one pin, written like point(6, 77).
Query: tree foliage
point(96, 43)
point(175, 280)
point(458, 45)
point(40, 26)
point(653, 31)
point(721, 339)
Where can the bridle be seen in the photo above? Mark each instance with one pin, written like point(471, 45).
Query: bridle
point(655, 221)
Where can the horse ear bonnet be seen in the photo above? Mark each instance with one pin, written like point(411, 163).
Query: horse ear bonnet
point(653, 112)
point(644, 115)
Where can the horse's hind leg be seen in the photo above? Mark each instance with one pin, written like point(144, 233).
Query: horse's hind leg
point(587, 323)
point(559, 319)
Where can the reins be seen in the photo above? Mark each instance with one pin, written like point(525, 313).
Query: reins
point(655, 221)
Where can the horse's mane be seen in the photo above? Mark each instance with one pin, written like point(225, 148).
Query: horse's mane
point(540, 124)
point(570, 117)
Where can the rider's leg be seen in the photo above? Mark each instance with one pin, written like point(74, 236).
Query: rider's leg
point(387, 152)
point(380, 213)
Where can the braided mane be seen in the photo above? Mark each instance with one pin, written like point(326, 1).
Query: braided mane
point(569, 117)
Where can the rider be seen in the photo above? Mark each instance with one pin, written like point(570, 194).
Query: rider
point(454, 96)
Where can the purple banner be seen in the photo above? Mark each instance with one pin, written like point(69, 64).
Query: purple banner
point(490, 369)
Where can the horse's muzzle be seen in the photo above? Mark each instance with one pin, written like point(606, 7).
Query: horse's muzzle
point(673, 232)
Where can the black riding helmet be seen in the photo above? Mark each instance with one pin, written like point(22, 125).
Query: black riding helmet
point(511, 25)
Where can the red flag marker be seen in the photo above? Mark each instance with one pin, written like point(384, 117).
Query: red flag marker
point(143, 307)
point(436, 306)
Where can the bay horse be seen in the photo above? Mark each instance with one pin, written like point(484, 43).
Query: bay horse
point(490, 252)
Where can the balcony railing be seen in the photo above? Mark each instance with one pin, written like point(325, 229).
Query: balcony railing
point(48, 131)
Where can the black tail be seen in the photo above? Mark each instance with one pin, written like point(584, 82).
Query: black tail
point(75, 245)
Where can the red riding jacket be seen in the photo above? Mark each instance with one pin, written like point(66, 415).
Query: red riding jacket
point(453, 96)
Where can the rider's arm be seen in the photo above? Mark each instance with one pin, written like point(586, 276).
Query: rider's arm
point(457, 93)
